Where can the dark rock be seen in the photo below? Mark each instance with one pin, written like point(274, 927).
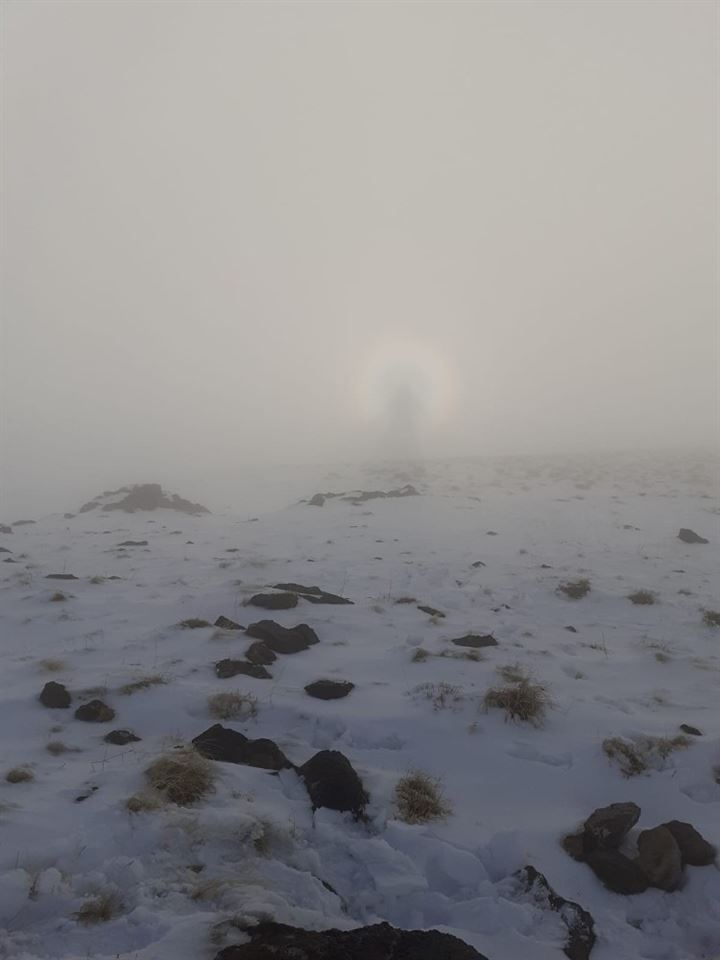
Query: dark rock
point(133, 543)
point(274, 601)
point(329, 689)
point(476, 641)
point(90, 505)
point(68, 516)
point(22, 523)
point(574, 845)
point(150, 496)
point(261, 653)
point(689, 536)
point(607, 827)
point(9, 560)
point(360, 497)
point(95, 712)
point(86, 796)
point(693, 731)
point(332, 782)
point(225, 623)
point(479, 563)
point(313, 594)
point(694, 848)
point(492, 533)
point(120, 738)
point(617, 872)
point(231, 668)
point(276, 941)
point(283, 639)
point(571, 629)
point(4, 528)
point(579, 923)
point(5, 550)
point(60, 576)
point(659, 858)
point(317, 501)
point(431, 611)
point(55, 695)
point(230, 746)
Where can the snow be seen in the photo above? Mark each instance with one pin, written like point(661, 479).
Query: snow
point(254, 848)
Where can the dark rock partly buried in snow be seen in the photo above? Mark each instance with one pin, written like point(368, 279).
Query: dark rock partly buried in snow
point(313, 594)
point(23, 523)
point(617, 872)
point(225, 623)
point(431, 611)
point(579, 923)
point(150, 496)
point(4, 528)
point(694, 848)
point(133, 543)
point(121, 738)
point(283, 639)
point(329, 689)
point(276, 941)
point(692, 731)
point(274, 601)
point(261, 653)
point(230, 746)
point(689, 536)
point(60, 576)
point(607, 827)
point(659, 858)
point(476, 641)
point(332, 782)
point(95, 712)
point(5, 550)
point(55, 695)
point(317, 501)
point(231, 668)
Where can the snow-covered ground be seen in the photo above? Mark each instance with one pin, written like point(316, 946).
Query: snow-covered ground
point(254, 848)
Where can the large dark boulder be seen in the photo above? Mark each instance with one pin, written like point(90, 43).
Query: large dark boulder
point(332, 782)
point(659, 858)
point(95, 712)
point(329, 689)
point(694, 848)
point(225, 623)
point(231, 746)
point(261, 653)
point(274, 601)
point(60, 576)
point(580, 924)
point(232, 668)
point(617, 872)
point(476, 641)
point(607, 827)
point(283, 639)
point(689, 536)
point(55, 695)
point(277, 941)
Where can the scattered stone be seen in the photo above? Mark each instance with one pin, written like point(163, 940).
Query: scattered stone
point(571, 629)
point(659, 858)
point(4, 528)
point(5, 550)
point(694, 848)
point(491, 533)
point(479, 563)
point(283, 639)
point(274, 601)
point(9, 560)
point(55, 695)
point(60, 576)
point(329, 689)
point(231, 668)
point(360, 497)
point(260, 652)
point(431, 611)
point(120, 738)
point(133, 543)
point(332, 782)
point(68, 516)
point(579, 923)
point(150, 496)
point(230, 746)
point(277, 941)
point(607, 827)
point(313, 594)
point(689, 536)
point(317, 501)
point(476, 641)
point(85, 796)
point(95, 712)
point(225, 623)
point(617, 872)
point(22, 523)
point(693, 731)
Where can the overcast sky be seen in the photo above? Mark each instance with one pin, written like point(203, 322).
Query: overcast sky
point(272, 232)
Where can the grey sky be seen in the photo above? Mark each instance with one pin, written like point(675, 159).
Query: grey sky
point(241, 231)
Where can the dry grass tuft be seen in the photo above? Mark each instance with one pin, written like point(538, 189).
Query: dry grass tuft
point(182, 777)
point(443, 696)
point(99, 908)
point(642, 598)
point(635, 756)
point(233, 705)
point(52, 666)
point(513, 673)
point(575, 589)
point(142, 684)
point(19, 775)
point(193, 623)
point(419, 799)
point(97, 579)
point(56, 748)
point(711, 618)
point(526, 701)
point(58, 597)
point(143, 803)
point(420, 655)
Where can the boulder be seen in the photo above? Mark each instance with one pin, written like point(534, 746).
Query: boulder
point(607, 827)
point(121, 738)
point(317, 501)
point(332, 782)
point(95, 711)
point(5, 550)
point(616, 871)
point(476, 641)
point(261, 653)
point(225, 623)
point(694, 848)
point(312, 594)
point(60, 576)
point(277, 941)
point(55, 695)
point(329, 689)
point(280, 639)
point(274, 601)
point(230, 746)
point(430, 611)
point(580, 924)
point(659, 858)
point(692, 731)
point(4, 528)
point(231, 668)
point(689, 536)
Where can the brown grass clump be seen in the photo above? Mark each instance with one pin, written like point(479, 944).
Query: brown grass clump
point(635, 756)
point(97, 579)
point(50, 665)
point(56, 748)
point(420, 655)
point(513, 673)
point(142, 684)
point(711, 618)
point(419, 799)
point(524, 701)
point(182, 777)
point(19, 775)
point(99, 908)
point(143, 803)
point(58, 597)
point(194, 623)
point(232, 705)
point(575, 589)
point(642, 598)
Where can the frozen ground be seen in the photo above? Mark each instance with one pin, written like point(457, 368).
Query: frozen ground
point(255, 848)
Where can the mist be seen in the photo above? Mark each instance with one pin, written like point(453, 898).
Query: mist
point(238, 236)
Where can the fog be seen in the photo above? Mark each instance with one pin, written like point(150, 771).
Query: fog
point(239, 235)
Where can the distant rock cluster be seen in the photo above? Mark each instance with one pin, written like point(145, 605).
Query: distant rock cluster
point(360, 496)
point(143, 496)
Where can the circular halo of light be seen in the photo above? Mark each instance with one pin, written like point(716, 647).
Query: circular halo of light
point(406, 372)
